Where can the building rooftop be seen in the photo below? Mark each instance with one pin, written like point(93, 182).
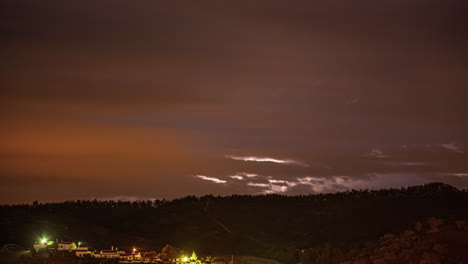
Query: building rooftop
point(109, 251)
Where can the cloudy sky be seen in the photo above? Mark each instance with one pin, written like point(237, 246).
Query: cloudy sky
point(159, 99)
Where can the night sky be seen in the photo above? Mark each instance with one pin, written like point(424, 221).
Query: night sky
point(161, 99)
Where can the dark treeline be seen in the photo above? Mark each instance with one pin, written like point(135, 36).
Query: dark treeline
point(273, 226)
point(420, 190)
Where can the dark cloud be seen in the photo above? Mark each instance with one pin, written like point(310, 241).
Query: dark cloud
point(152, 94)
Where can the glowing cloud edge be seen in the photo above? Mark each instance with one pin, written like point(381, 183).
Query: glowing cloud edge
point(267, 159)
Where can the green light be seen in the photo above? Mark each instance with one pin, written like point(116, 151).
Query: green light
point(44, 240)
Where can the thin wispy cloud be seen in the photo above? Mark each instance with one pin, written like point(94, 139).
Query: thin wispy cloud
point(242, 175)
point(212, 179)
point(459, 174)
point(276, 181)
point(248, 175)
point(407, 163)
point(276, 189)
point(413, 163)
point(268, 159)
point(376, 153)
point(309, 184)
point(255, 184)
point(453, 147)
point(352, 101)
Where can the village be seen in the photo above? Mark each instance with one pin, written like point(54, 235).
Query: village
point(44, 248)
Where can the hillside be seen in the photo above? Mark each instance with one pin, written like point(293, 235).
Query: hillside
point(432, 242)
point(272, 226)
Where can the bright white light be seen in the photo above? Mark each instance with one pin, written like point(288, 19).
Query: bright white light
point(213, 179)
point(267, 159)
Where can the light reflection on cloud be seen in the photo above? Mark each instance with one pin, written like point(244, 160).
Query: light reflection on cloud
point(325, 184)
point(212, 179)
point(267, 159)
point(316, 184)
point(255, 184)
point(271, 180)
point(248, 175)
point(242, 175)
point(276, 189)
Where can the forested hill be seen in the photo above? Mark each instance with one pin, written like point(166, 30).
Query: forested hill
point(273, 226)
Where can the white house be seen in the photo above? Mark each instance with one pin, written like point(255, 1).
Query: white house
point(110, 253)
point(128, 257)
point(136, 256)
point(66, 246)
point(82, 251)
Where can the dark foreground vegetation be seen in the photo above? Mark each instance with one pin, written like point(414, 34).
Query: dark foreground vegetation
point(285, 228)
